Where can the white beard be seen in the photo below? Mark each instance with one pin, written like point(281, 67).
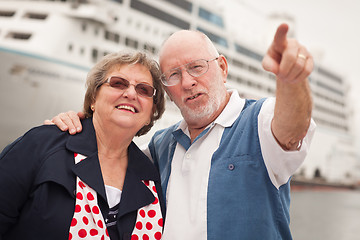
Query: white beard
point(203, 113)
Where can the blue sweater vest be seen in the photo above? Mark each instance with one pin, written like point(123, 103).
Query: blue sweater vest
point(242, 203)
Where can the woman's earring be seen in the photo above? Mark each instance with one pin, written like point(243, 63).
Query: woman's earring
point(92, 108)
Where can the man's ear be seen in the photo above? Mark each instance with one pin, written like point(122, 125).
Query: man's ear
point(223, 64)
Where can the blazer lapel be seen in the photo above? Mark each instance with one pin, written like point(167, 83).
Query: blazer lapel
point(135, 193)
point(89, 169)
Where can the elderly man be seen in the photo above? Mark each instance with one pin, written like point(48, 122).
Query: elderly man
point(226, 167)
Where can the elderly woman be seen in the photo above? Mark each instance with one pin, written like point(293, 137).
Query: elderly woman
point(96, 184)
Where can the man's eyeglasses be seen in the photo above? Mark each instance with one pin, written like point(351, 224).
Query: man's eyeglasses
point(142, 89)
point(195, 68)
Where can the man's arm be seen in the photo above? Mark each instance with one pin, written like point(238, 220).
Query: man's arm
point(68, 121)
point(292, 64)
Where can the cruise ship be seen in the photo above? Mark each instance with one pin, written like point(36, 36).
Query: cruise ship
point(47, 47)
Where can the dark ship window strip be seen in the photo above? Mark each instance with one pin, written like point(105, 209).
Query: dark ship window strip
point(182, 4)
point(329, 75)
point(215, 38)
point(18, 35)
point(37, 16)
point(248, 52)
point(211, 17)
point(154, 12)
point(7, 13)
point(332, 89)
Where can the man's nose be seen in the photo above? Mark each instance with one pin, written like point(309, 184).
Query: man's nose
point(187, 81)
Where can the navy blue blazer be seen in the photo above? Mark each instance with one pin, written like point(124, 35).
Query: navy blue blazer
point(38, 178)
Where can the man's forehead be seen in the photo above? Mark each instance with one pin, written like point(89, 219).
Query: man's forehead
point(174, 61)
point(179, 56)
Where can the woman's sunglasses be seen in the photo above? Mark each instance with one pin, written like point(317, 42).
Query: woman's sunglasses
point(142, 89)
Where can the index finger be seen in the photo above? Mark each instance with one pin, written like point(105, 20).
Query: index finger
point(280, 39)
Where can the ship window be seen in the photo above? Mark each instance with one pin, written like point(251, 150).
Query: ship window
point(258, 86)
point(111, 36)
point(329, 75)
point(156, 13)
point(83, 27)
point(238, 63)
point(248, 52)
point(270, 90)
point(215, 38)
point(94, 54)
point(149, 48)
point(211, 17)
point(329, 88)
point(272, 76)
point(131, 43)
point(254, 69)
point(20, 36)
point(319, 95)
point(329, 111)
point(38, 16)
point(7, 13)
point(240, 80)
point(186, 5)
point(250, 83)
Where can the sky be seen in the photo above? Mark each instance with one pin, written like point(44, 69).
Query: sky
point(328, 28)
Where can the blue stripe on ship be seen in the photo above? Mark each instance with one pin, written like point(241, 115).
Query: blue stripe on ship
point(44, 58)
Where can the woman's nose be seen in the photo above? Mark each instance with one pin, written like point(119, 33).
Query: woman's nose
point(130, 92)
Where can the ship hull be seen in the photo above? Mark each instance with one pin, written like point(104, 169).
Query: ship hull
point(34, 88)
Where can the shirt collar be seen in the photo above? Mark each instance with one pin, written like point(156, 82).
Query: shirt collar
point(232, 109)
point(227, 117)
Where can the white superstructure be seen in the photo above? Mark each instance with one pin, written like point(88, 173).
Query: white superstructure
point(47, 48)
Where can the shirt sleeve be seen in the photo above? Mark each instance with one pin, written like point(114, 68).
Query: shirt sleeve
point(280, 164)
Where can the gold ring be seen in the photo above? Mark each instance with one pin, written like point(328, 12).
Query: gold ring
point(302, 56)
